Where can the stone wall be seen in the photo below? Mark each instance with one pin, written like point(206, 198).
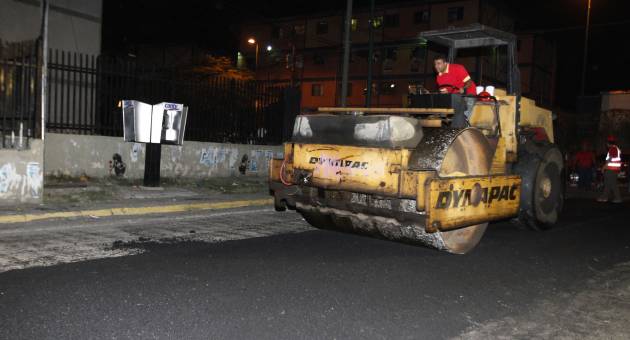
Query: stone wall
point(76, 155)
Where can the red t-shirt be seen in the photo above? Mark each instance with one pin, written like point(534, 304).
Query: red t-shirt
point(584, 159)
point(456, 75)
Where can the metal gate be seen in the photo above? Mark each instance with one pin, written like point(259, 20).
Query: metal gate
point(18, 93)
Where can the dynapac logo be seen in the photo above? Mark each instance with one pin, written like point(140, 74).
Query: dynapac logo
point(466, 197)
point(338, 163)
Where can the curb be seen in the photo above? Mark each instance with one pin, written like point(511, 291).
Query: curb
point(159, 209)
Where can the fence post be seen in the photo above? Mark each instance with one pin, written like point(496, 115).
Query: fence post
point(44, 76)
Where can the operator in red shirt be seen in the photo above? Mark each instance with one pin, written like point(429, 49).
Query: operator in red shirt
point(584, 163)
point(454, 75)
point(453, 78)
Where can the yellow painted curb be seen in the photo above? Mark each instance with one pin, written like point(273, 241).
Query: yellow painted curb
point(159, 209)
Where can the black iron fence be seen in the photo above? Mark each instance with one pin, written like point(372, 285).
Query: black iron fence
point(85, 93)
point(19, 79)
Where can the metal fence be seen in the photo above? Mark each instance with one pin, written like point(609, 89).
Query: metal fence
point(18, 93)
point(85, 94)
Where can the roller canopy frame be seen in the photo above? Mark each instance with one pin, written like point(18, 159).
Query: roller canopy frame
point(478, 35)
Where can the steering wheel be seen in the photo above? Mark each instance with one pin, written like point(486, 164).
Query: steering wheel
point(454, 88)
point(486, 97)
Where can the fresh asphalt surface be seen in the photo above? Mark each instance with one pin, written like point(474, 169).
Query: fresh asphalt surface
point(314, 284)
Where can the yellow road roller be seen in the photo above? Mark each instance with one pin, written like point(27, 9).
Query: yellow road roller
point(411, 175)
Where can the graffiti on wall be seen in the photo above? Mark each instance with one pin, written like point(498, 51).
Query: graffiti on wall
point(216, 156)
point(259, 159)
point(8, 178)
point(242, 168)
point(34, 179)
point(29, 184)
point(117, 165)
point(256, 161)
point(135, 150)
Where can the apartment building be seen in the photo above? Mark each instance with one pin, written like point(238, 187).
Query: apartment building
point(307, 50)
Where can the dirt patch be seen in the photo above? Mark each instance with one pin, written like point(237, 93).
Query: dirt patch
point(600, 310)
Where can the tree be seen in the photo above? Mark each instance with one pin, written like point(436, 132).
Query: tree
point(219, 66)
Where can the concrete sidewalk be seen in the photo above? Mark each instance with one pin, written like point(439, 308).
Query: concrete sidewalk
point(84, 197)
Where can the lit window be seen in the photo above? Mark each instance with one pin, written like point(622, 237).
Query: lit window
point(354, 24)
point(377, 22)
point(317, 90)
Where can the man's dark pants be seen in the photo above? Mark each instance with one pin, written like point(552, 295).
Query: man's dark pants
point(586, 177)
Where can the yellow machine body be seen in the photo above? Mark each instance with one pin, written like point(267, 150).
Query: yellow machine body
point(449, 203)
point(434, 173)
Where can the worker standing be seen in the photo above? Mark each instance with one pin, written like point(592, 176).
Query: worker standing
point(584, 163)
point(611, 169)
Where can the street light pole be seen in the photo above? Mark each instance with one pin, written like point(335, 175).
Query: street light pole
point(254, 42)
point(256, 56)
point(588, 22)
point(44, 74)
point(368, 97)
point(346, 55)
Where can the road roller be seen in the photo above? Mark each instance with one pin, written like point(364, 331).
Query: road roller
point(410, 175)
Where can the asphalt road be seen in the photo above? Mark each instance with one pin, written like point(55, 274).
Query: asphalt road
point(569, 282)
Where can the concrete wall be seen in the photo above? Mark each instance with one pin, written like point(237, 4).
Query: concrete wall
point(74, 25)
point(76, 155)
point(21, 177)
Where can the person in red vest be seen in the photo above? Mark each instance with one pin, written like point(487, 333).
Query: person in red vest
point(611, 169)
point(453, 78)
point(584, 164)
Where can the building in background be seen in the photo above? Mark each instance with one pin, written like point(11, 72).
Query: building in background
point(307, 51)
point(537, 61)
point(73, 25)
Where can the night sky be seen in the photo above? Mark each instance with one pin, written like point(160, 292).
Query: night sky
point(214, 24)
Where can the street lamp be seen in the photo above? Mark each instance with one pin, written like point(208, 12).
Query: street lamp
point(252, 41)
point(588, 22)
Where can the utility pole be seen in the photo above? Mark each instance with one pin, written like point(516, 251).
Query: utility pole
point(256, 56)
point(588, 22)
point(346, 55)
point(44, 75)
point(368, 97)
point(293, 61)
